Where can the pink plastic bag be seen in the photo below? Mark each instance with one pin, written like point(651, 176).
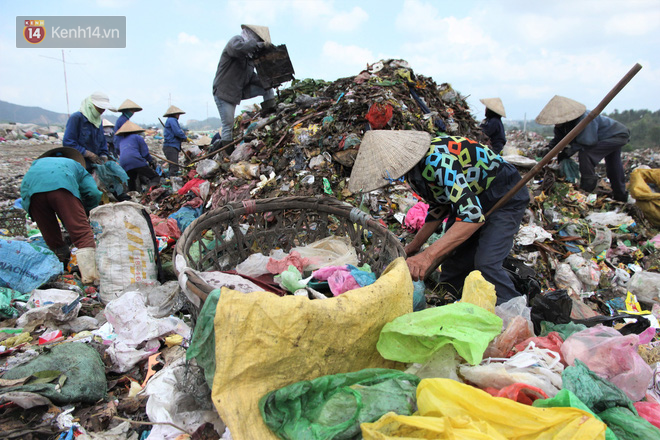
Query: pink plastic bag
point(339, 279)
point(650, 411)
point(416, 216)
point(611, 356)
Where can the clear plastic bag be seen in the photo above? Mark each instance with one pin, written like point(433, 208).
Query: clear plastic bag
point(611, 356)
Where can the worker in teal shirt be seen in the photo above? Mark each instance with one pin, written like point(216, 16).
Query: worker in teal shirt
point(173, 135)
point(58, 186)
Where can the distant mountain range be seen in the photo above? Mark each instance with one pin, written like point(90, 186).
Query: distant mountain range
point(30, 115)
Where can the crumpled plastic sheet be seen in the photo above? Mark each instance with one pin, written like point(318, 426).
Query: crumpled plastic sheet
point(276, 266)
point(531, 234)
point(134, 323)
point(178, 394)
point(540, 368)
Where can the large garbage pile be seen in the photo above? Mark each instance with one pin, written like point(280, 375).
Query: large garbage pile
point(158, 349)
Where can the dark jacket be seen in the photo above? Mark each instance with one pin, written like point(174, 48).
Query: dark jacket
point(494, 129)
point(599, 129)
point(133, 152)
point(83, 135)
point(172, 134)
point(235, 70)
point(121, 120)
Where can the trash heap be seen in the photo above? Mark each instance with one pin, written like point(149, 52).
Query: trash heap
point(171, 346)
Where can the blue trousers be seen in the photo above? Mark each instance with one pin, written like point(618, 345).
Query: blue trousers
point(487, 248)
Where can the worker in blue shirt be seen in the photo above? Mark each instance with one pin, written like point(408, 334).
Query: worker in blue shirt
point(173, 135)
point(127, 108)
point(134, 157)
point(602, 138)
point(84, 130)
point(57, 185)
point(492, 126)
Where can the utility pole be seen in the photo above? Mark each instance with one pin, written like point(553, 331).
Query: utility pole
point(66, 87)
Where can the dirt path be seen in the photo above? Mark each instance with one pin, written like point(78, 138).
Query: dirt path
point(15, 160)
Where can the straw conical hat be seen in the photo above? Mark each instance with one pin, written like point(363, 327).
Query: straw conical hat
point(494, 104)
point(129, 127)
point(129, 105)
point(107, 123)
point(174, 110)
point(261, 31)
point(386, 154)
point(68, 152)
point(560, 110)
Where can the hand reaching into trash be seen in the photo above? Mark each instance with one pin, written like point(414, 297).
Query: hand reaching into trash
point(419, 265)
point(93, 157)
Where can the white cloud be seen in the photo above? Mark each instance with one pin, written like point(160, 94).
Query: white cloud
point(354, 56)
point(633, 24)
point(184, 38)
point(348, 21)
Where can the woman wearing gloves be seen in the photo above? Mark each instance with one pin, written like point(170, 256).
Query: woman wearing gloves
point(84, 130)
point(134, 157)
point(58, 186)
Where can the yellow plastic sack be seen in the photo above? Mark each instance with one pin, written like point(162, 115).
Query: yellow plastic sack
point(265, 342)
point(647, 200)
point(452, 410)
point(479, 292)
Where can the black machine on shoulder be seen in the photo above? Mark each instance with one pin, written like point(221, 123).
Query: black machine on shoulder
point(274, 66)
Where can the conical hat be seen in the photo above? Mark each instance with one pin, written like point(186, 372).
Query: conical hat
point(560, 110)
point(386, 154)
point(174, 110)
point(107, 123)
point(129, 127)
point(129, 105)
point(261, 31)
point(68, 152)
point(494, 104)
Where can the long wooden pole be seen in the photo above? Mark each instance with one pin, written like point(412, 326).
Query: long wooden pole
point(568, 138)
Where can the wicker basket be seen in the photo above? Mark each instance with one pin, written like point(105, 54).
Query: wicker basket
point(14, 221)
point(280, 223)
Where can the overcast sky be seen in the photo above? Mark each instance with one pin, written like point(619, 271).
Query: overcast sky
point(521, 51)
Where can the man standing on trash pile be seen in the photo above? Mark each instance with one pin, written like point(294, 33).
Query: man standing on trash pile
point(84, 131)
point(461, 180)
point(492, 126)
point(134, 157)
point(127, 108)
point(173, 135)
point(57, 185)
point(601, 139)
point(236, 78)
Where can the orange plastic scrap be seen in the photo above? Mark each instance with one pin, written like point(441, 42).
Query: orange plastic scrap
point(151, 363)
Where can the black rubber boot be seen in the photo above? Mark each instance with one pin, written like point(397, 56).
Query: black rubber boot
point(268, 106)
point(588, 183)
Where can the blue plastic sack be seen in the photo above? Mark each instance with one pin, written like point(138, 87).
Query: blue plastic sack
point(185, 216)
point(24, 267)
point(419, 297)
